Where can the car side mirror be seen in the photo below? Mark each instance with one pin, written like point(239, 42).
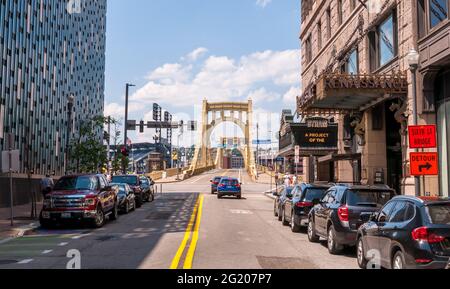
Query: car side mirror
point(374, 217)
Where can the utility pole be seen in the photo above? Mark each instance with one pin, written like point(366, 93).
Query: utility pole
point(109, 145)
point(125, 137)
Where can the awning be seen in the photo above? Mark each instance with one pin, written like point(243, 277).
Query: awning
point(344, 92)
point(339, 157)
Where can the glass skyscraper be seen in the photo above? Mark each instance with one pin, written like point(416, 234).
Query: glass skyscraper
point(49, 50)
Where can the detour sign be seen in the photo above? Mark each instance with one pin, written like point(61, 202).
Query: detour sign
point(422, 136)
point(424, 164)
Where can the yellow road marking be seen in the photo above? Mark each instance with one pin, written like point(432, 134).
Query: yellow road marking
point(187, 235)
point(191, 252)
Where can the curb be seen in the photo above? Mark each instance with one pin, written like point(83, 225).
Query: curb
point(20, 232)
point(269, 194)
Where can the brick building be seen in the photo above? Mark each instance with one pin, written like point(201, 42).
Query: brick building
point(356, 70)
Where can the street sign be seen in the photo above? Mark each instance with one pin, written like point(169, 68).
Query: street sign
point(424, 164)
point(262, 142)
point(422, 136)
point(297, 151)
point(131, 125)
point(15, 161)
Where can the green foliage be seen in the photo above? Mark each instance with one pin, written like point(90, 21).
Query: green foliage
point(88, 153)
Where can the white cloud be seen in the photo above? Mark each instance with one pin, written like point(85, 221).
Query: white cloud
point(117, 111)
point(263, 3)
point(220, 78)
point(196, 54)
point(290, 97)
point(262, 95)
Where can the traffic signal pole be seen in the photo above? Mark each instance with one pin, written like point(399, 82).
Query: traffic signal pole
point(125, 133)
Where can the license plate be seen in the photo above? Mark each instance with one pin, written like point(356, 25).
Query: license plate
point(66, 215)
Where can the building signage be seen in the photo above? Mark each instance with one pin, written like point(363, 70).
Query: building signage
point(422, 137)
point(385, 82)
point(315, 139)
point(424, 164)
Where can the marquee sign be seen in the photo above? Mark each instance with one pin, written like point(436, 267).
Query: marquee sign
point(317, 137)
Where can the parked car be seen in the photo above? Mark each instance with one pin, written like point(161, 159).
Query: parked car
point(295, 210)
point(229, 187)
point(126, 198)
point(214, 184)
point(342, 211)
point(281, 195)
point(135, 183)
point(408, 233)
point(148, 188)
point(80, 198)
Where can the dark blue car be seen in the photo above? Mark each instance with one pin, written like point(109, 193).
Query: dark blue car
point(229, 187)
point(214, 184)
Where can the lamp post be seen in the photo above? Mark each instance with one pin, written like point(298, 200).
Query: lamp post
point(125, 133)
point(70, 103)
point(413, 61)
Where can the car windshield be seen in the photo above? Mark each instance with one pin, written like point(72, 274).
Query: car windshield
point(216, 180)
point(314, 194)
point(360, 198)
point(229, 182)
point(76, 183)
point(439, 214)
point(120, 186)
point(130, 180)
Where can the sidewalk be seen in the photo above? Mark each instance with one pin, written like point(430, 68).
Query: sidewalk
point(264, 178)
point(22, 221)
point(169, 180)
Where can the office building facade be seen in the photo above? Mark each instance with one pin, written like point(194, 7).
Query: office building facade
point(49, 50)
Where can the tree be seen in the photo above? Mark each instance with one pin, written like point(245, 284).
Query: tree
point(87, 148)
point(118, 160)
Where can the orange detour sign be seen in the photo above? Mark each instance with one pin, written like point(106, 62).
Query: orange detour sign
point(424, 164)
point(422, 136)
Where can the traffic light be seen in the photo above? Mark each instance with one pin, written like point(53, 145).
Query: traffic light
point(141, 126)
point(155, 112)
point(166, 116)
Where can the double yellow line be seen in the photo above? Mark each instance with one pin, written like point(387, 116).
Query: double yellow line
point(192, 230)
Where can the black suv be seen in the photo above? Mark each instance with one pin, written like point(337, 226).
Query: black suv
point(342, 211)
point(135, 183)
point(295, 210)
point(408, 233)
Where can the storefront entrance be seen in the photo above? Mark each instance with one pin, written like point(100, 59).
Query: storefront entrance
point(394, 149)
point(442, 91)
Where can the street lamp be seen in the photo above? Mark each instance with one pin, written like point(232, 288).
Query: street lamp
point(413, 58)
point(70, 103)
point(125, 137)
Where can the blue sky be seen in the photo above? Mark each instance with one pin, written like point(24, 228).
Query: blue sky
point(179, 52)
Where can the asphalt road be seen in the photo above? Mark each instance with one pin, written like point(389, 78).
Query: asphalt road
point(186, 227)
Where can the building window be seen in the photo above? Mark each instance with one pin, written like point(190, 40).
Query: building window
point(438, 11)
point(351, 65)
point(308, 50)
point(339, 12)
point(328, 13)
point(383, 43)
point(319, 35)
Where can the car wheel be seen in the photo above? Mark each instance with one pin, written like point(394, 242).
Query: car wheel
point(280, 217)
point(239, 196)
point(134, 205)
point(115, 213)
point(284, 221)
point(275, 211)
point(152, 197)
point(333, 247)
point(398, 262)
point(99, 219)
point(139, 202)
point(312, 236)
point(219, 196)
point(46, 224)
point(294, 227)
point(127, 207)
point(361, 254)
